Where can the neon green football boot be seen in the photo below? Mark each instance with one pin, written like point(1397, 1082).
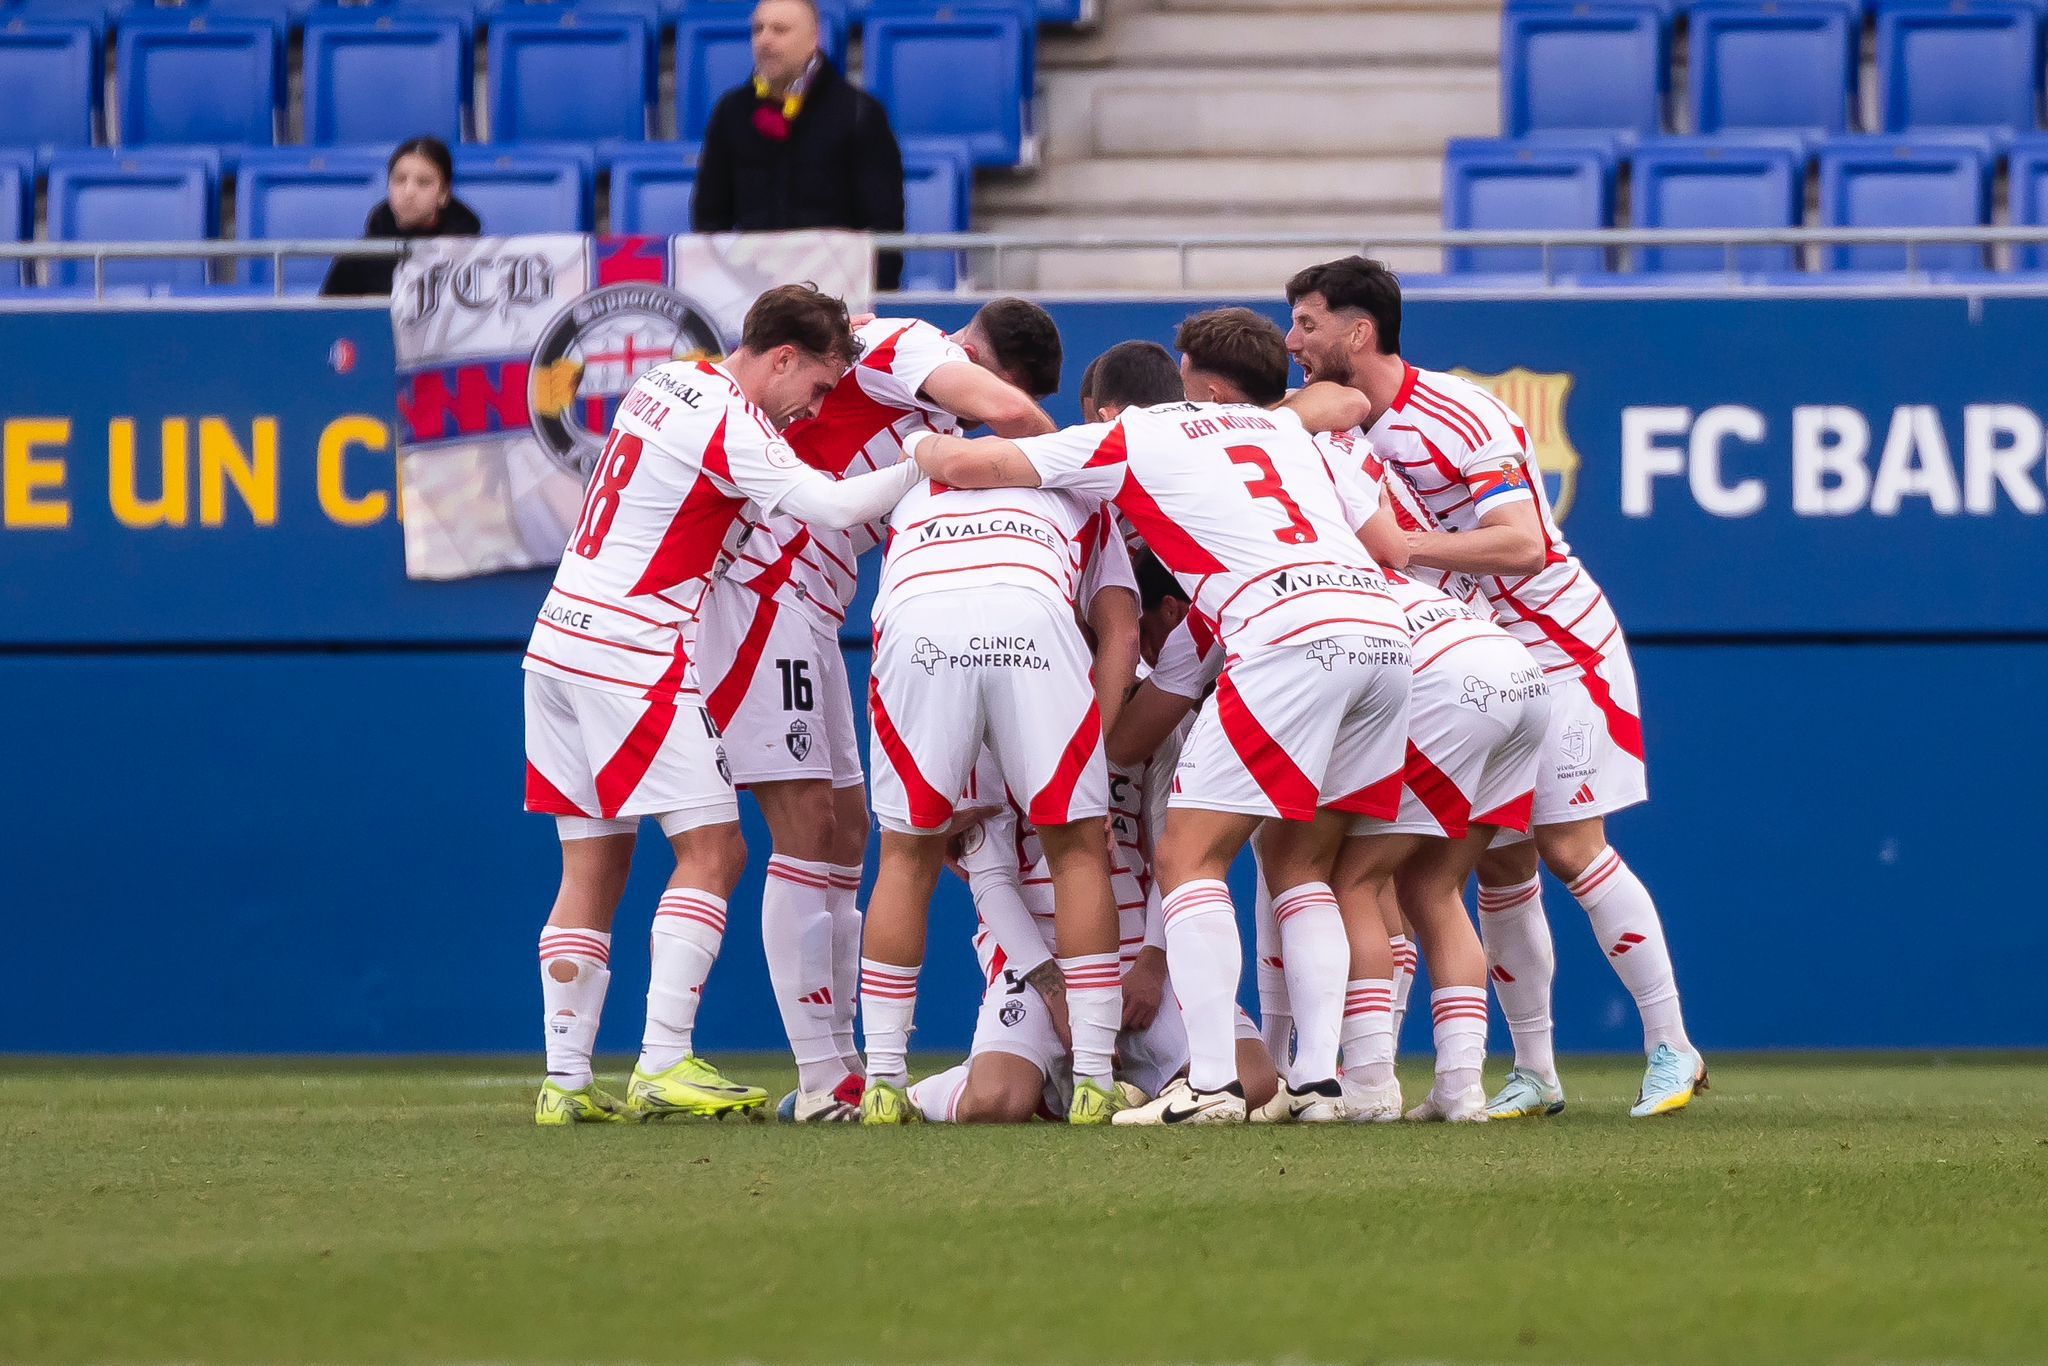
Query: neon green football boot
point(882, 1103)
point(692, 1087)
point(1094, 1105)
point(590, 1104)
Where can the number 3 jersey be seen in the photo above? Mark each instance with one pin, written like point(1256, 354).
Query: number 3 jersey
point(1241, 506)
point(661, 517)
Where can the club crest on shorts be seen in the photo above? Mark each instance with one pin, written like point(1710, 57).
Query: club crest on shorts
point(1325, 652)
point(798, 740)
point(592, 352)
point(1538, 399)
point(1575, 743)
point(724, 768)
point(928, 654)
point(1012, 1014)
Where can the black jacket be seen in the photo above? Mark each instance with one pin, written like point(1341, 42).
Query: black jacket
point(368, 275)
point(840, 167)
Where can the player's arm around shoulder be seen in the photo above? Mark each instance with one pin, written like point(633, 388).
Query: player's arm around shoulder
point(977, 396)
point(982, 462)
point(1326, 406)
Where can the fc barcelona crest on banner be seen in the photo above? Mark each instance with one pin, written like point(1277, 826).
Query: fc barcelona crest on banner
point(1539, 400)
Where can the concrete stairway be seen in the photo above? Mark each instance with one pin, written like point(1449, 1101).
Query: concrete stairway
point(1244, 116)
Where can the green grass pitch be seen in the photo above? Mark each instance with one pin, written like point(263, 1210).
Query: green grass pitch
point(1809, 1208)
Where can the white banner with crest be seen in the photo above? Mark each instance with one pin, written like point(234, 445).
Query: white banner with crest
point(513, 353)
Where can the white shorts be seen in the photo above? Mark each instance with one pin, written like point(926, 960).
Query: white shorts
point(1476, 722)
point(1014, 1020)
point(605, 754)
point(1000, 666)
point(1592, 758)
point(1298, 727)
point(777, 689)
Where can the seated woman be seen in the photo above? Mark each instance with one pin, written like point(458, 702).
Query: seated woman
point(419, 202)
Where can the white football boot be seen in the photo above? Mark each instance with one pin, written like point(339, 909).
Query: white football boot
point(1319, 1103)
point(1181, 1103)
point(1372, 1104)
point(1466, 1107)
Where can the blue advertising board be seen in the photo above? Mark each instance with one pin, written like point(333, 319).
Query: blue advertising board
point(246, 749)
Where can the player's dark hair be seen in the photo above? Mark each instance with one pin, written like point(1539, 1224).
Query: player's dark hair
point(1358, 285)
point(1156, 582)
point(800, 316)
point(431, 150)
point(1025, 342)
point(1240, 347)
point(1134, 374)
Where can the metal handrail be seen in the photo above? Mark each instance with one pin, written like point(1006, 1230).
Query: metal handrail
point(1547, 241)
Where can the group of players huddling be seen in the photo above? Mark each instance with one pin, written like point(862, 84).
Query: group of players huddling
point(1338, 624)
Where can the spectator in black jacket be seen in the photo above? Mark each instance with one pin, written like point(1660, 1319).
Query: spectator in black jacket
point(798, 146)
point(419, 201)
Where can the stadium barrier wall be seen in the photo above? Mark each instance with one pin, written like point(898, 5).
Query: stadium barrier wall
point(261, 791)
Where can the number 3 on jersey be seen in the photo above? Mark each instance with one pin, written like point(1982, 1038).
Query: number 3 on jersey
point(1268, 486)
point(601, 504)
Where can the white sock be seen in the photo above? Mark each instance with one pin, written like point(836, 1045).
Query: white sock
point(1404, 980)
point(845, 879)
point(1095, 1006)
point(1521, 962)
point(1318, 956)
point(1460, 1015)
point(888, 1004)
point(1276, 1013)
point(796, 932)
point(1625, 920)
point(938, 1097)
point(1204, 958)
point(689, 925)
point(570, 1009)
point(1369, 1030)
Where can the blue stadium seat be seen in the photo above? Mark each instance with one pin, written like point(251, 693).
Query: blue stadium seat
point(199, 80)
point(1512, 185)
point(714, 53)
point(285, 193)
point(17, 207)
point(1896, 182)
point(1718, 183)
point(98, 13)
point(49, 82)
point(464, 12)
point(960, 74)
point(570, 76)
point(651, 188)
point(1583, 67)
point(2027, 195)
point(382, 76)
point(1775, 65)
point(938, 186)
point(515, 190)
point(96, 195)
point(1959, 64)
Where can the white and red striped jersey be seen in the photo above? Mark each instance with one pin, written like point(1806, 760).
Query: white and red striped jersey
point(1241, 506)
point(661, 517)
point(859, 427)
point(1062, 545)
point(1363, 484)
point(1464, 454)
